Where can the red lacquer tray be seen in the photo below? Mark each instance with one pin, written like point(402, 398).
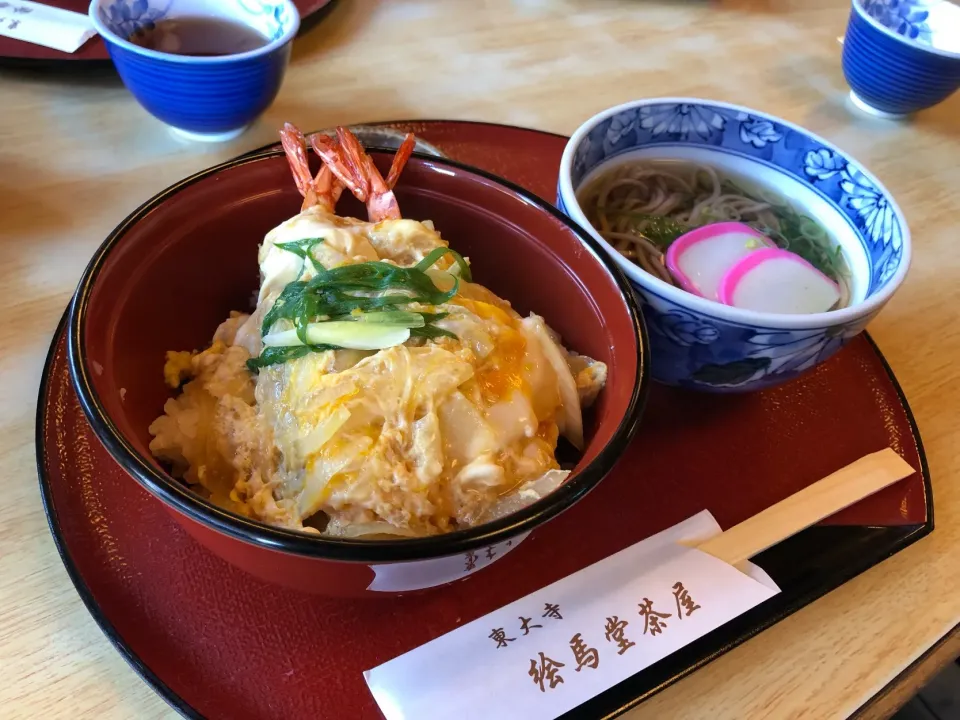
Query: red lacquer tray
point(94, 52)
point(218, 644)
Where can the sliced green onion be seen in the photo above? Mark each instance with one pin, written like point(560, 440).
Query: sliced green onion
point(431, 331)
point(400, 318)
point(434, 255)
point(343, 334)
point(444, 279)
point(276, 356)
point(358, 306)
point(301, 248)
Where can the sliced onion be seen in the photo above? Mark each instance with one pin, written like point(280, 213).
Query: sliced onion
point(525, 495)
point(321, 434)
point(570, 419)
point(466, 435)
point(512, 418)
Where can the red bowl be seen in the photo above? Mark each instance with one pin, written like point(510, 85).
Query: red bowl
point(175, 268)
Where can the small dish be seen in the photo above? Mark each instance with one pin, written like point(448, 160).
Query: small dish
point(203, 98)
point(704, 345)
point(127, 313)
point(901, 56)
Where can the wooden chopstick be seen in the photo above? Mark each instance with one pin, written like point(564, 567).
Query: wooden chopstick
point(812, 504)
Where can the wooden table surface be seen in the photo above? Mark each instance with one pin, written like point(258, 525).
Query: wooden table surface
point(77, 154)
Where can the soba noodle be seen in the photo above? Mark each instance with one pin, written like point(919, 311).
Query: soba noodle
point(641, 207)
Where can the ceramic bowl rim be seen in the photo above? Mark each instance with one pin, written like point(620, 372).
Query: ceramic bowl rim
point(177, 496)
point(858, 8)
point(111, 37)
point(714, 310)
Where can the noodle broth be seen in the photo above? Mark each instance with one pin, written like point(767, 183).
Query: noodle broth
point(640, 205)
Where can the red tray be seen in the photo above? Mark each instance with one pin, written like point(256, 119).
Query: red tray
point(94, 52)
point(216, 643)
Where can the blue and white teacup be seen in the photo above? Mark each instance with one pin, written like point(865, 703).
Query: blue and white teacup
point(704, 345)
point(901, 56)
point(205, 98)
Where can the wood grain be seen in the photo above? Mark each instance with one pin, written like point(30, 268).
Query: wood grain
point(913, 678)
point(77, 154)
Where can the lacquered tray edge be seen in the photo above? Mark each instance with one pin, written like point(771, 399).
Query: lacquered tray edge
point(622, 697)
point(73, 572)
point(615, 701)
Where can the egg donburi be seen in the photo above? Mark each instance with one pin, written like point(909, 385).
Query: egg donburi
point(376, 389)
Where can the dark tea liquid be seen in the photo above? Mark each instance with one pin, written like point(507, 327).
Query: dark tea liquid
point(200, 37)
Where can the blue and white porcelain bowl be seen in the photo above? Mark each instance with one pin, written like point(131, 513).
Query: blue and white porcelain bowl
point(901, 56)
point(704, 345)
point(203, 98)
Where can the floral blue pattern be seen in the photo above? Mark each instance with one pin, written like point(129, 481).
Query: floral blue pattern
point(822, 164)
point(904, 17)
point(710, 352)
point(683, 121)
point(275, 13)
point(126, 17)
point(757, 131)
point(878, 218)
point(620, 126)
point(693, 350)
point(685, 328)
point(879, 222)
point(791, 351)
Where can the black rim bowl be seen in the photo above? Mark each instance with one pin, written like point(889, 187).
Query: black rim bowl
point(177, 495)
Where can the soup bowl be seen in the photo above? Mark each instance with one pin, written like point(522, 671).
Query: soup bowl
point(704, 345)
point(175, 268)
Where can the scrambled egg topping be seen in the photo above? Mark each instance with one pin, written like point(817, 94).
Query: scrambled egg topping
point(416, 439)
